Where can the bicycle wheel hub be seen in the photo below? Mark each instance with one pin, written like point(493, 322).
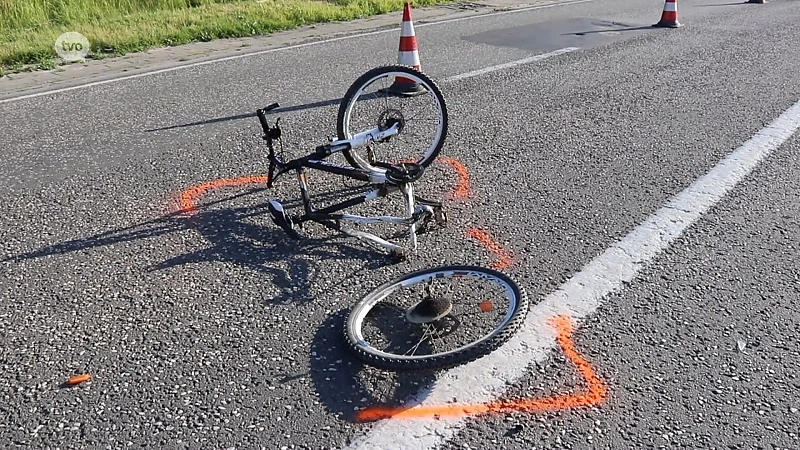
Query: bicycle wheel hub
point(429, 310)
point(390, 118)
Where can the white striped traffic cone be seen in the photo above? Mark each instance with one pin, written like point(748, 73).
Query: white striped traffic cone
point(408, 56)
point(669, 17)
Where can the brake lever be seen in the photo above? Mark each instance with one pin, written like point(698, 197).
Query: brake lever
point(276, 130)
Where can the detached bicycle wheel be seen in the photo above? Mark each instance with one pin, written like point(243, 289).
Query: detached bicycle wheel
point(394, 94)
point(436, 318)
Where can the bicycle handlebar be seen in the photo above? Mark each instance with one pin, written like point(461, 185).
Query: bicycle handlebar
point(261, 113)
point(269, 135)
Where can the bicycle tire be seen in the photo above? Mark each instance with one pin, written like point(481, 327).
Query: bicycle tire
point(368, 77)
point(472, 351)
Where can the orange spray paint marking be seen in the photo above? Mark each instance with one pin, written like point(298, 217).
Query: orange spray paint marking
point(596, 393)
point(505, 256)
point(78, 379)
point(188, 199)
point(463, 189)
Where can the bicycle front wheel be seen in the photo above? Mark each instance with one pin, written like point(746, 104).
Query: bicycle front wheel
point(394, 94)
point(416, 321)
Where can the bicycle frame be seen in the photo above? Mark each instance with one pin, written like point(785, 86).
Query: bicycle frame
point(424, 211)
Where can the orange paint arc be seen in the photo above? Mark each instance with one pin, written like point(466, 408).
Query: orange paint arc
point(188, 199)
point(596, 393)
point(463, 186)
point(505, 257)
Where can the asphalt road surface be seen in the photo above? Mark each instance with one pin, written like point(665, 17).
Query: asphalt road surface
point(215, 331)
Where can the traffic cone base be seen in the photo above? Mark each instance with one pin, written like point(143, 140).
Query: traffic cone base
point(668, 24)
point(407, 88)
point(669, 17)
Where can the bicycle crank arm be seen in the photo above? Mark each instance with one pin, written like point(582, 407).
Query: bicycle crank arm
point(397, 252)
point(414, 218)
point(378, 219)
point(424, 201)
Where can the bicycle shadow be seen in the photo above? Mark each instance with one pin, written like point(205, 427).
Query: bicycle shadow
point(279, 110)
point(343, 383)
point(283, 109)
point(232, 238)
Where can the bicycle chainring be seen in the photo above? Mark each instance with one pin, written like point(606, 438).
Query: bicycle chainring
point(403, 172)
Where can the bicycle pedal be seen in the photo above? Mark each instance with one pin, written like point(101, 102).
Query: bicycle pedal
point(440, 216)
point(398, 255)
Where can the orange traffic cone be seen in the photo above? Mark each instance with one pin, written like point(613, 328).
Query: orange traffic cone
point(669, 17)
point(408, 56)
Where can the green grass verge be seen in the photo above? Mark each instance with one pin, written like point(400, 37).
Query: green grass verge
point(29, 28)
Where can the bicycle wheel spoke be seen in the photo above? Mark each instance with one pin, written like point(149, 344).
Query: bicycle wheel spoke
point(411, 116)
point(422, 339)
point(417, 119)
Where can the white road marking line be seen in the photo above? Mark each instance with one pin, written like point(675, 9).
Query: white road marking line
point(486, 379)
point(508, 65)
point(273, 50)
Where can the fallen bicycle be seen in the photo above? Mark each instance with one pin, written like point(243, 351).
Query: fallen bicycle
point(431, 314)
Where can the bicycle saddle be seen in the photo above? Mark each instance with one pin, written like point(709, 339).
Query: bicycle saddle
point(401, 173)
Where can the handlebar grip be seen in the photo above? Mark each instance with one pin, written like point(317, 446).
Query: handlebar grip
point(271, 107)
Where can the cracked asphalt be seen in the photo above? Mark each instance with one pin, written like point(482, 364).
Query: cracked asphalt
point(216, 331)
